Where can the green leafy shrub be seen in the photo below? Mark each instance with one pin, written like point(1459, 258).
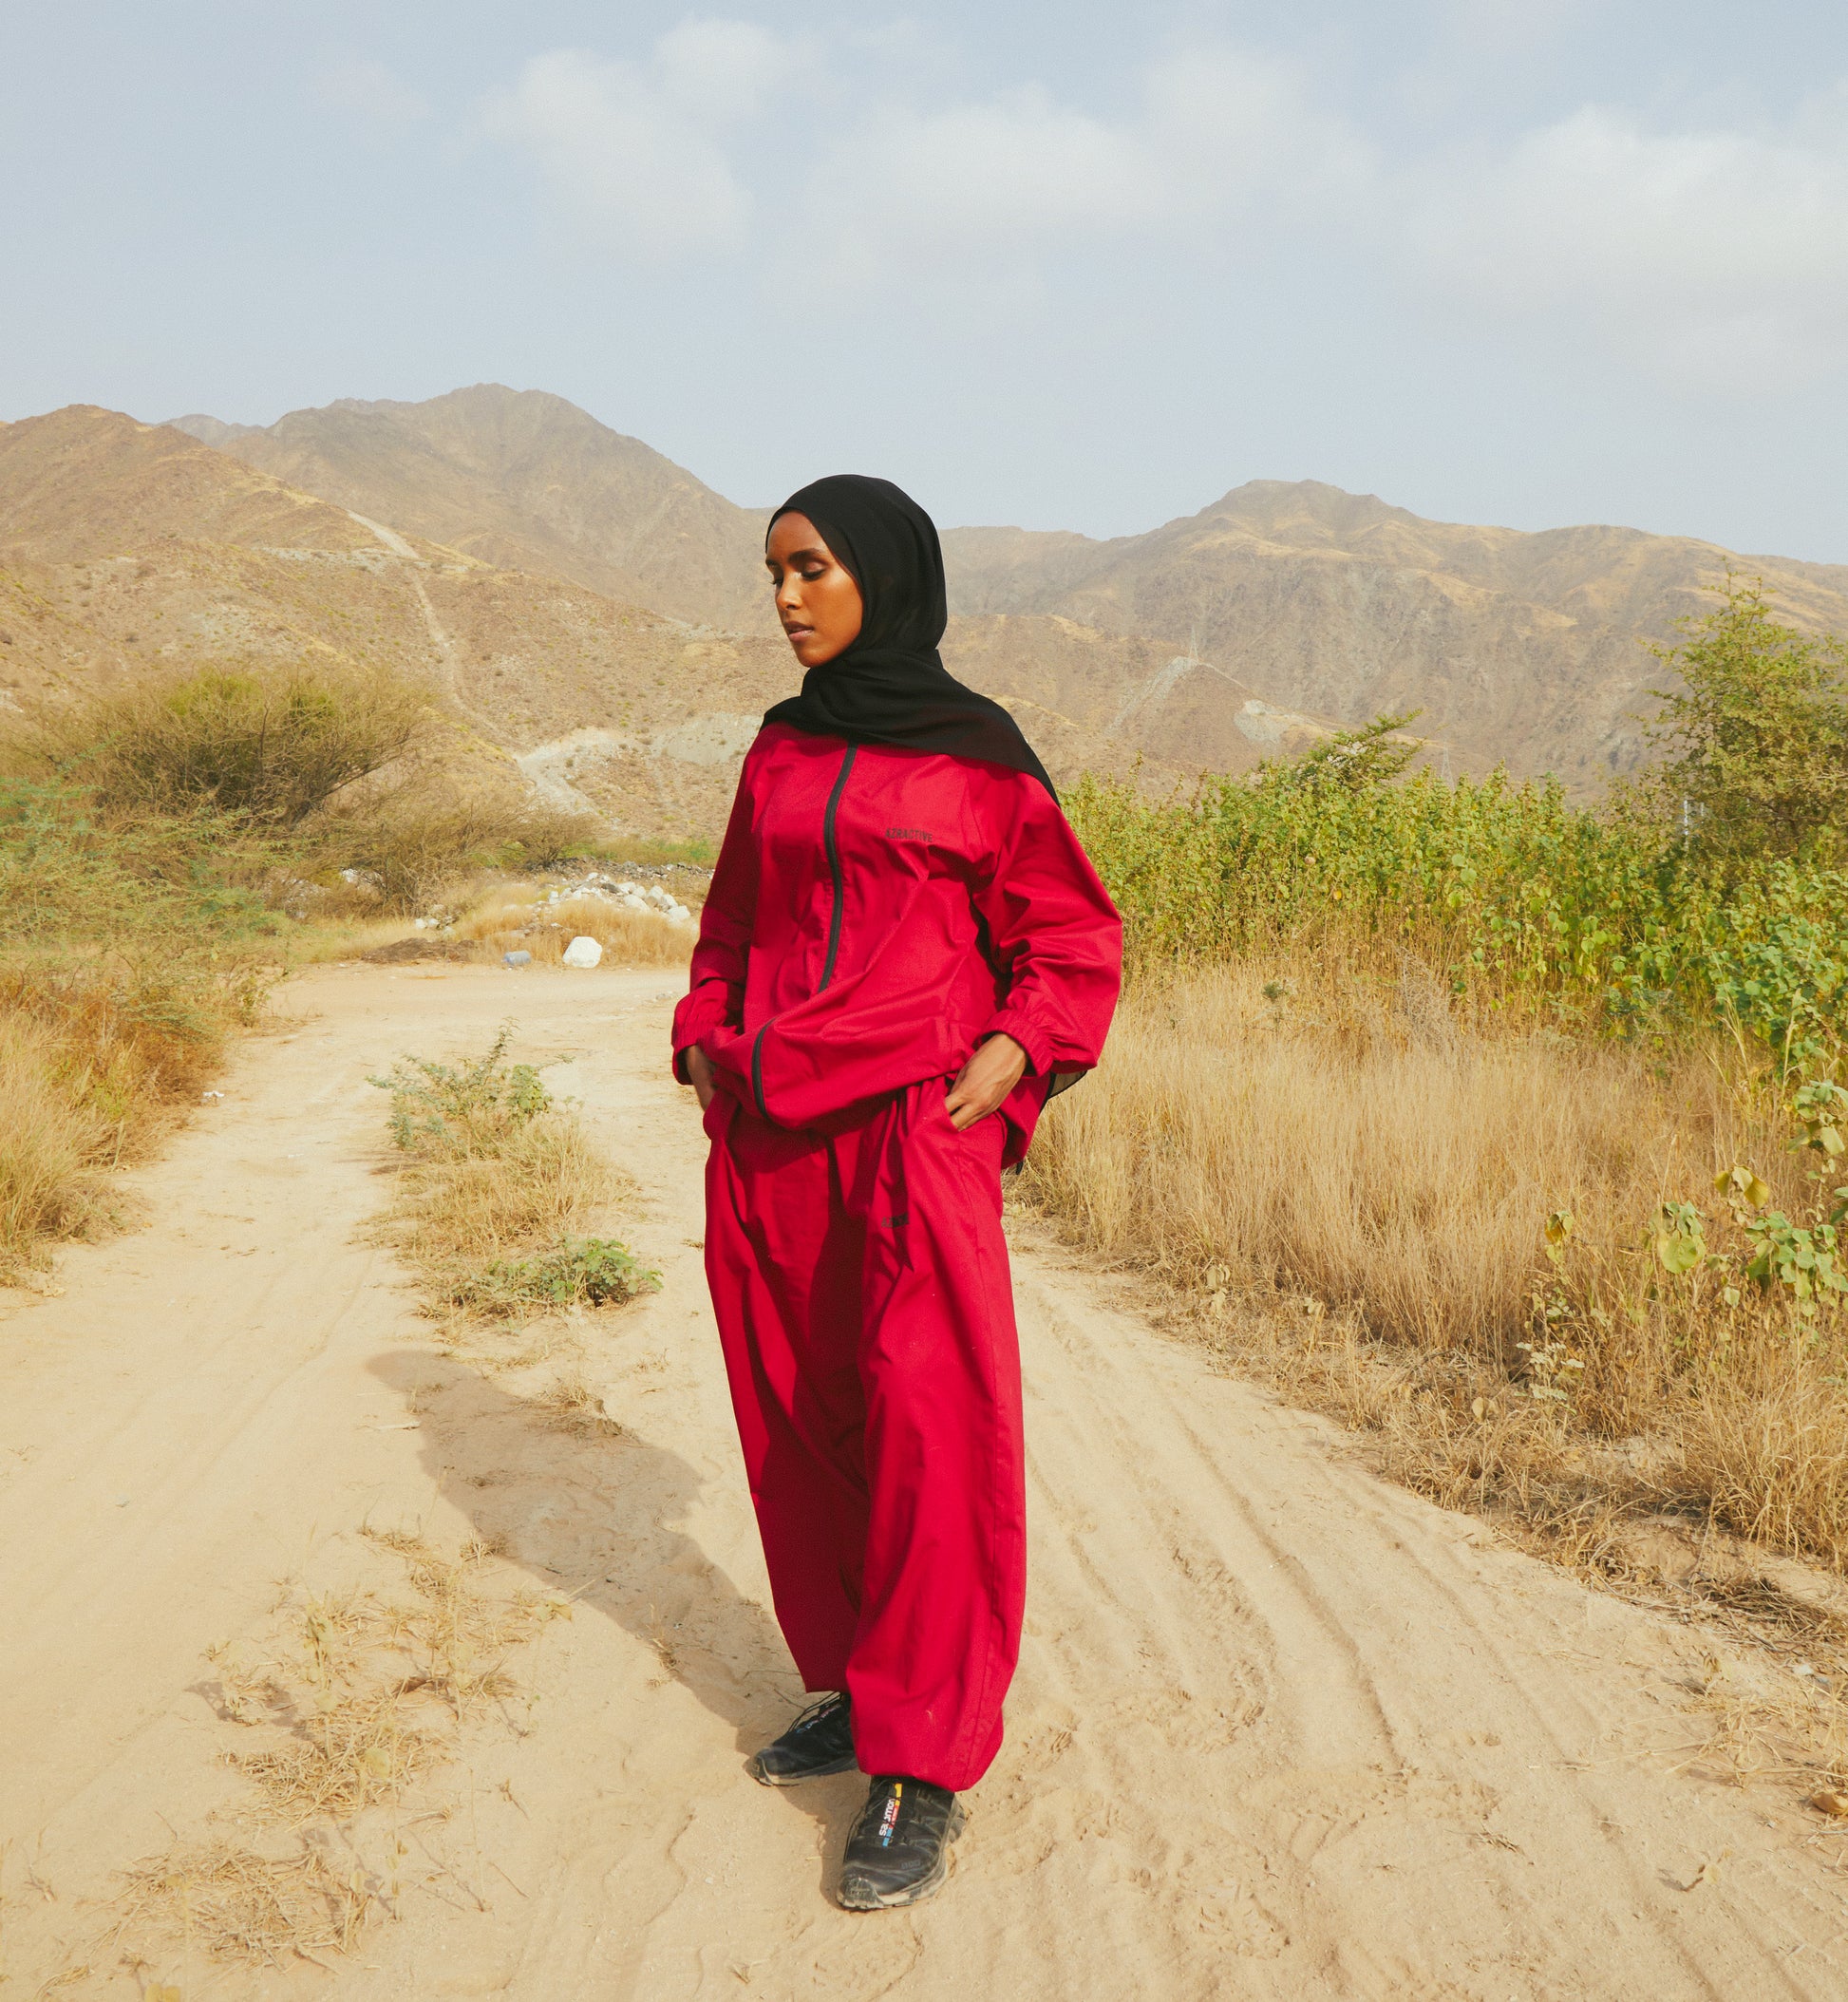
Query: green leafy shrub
point(462, 1111)
point(1757, 734)
point(598, 1271)
point(1596, 918)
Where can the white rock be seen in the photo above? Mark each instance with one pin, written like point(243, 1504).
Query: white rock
point(678, 914)
point(583, 951)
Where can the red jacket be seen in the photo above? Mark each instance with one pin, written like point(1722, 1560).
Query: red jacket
point(875, 913)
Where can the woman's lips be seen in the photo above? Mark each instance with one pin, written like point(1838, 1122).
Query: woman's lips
point(794, 633)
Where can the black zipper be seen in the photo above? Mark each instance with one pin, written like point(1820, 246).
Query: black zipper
point(831, 848)
point(757, 1072)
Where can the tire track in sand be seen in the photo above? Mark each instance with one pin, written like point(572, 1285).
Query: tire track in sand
point(1279, 1730)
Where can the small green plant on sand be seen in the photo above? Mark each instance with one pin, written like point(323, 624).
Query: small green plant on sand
point(462, 1111)
point(598, 1271)
point(500, 1183)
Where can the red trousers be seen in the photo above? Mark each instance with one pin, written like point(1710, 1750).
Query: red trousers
point(860, 1278)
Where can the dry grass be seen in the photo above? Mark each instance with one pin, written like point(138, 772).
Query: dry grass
point(512, 920)
point(239, 1905)
point(498, 1190)
point(571, 1406)
point(454, 1220)
point(131, 950)
point(1351, 1148)
point(1763, 1441)
point(50, 1145)
point(363, 1695)
point(367, 1690)
point(97, 1062)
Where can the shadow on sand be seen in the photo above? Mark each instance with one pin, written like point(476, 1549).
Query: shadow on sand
point(591, 1515)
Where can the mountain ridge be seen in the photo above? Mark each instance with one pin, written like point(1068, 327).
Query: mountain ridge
point(1523, 648)
point(527, 481)
point(129, 550)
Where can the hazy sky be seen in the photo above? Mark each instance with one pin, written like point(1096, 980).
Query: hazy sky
point(1527, 261)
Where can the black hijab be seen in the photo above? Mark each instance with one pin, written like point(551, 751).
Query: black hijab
point(891, 687)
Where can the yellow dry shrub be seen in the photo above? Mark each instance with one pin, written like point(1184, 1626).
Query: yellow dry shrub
point(48, 1145)
point(1761, 1439)
point(1307, 1134)
point(1369, 1154)
point(510, 920)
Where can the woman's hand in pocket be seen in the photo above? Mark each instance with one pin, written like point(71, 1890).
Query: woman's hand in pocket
point(699, 1075)
point(982, 1082)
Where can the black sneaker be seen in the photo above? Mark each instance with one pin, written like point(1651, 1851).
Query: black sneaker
point(820, 1742)
point(898, 1853)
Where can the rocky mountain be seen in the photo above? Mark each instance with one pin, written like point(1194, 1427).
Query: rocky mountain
point(1519, 649)
point(597, 618)
point(1187, 643)
point(525, 482)
point(130, 549)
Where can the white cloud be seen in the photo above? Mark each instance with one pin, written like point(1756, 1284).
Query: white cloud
point(370, 91)
point(640, 148)
point(1018, 168)
point(1717, 258)
point(1214, 133)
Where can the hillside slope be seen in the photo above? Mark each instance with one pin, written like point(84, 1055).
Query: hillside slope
point(1516, 648)
point(1523, 649)
point(129, 549)
point(524, 480)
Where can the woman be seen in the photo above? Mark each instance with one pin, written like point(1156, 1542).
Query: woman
point(903, 954)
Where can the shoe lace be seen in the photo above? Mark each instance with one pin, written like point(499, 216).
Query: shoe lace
point(822, 1707)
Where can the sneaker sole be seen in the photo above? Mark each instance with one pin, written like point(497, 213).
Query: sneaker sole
point(796, 1779)
point(871, 1900)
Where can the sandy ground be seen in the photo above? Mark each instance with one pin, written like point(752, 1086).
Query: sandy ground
point(1279, 1730)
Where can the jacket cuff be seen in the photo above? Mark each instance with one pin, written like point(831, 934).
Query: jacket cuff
point(1011, 1022)
point(730, 1052)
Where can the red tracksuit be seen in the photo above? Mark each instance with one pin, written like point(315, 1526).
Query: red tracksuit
point(873, 914)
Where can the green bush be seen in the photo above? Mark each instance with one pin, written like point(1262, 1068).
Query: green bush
point(1599, 918)
point(462, 1111)
point(263, 748)
point(1757, 734)
point(597, 1270)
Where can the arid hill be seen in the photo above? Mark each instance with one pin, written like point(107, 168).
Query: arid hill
point(129, 549)
point(1299, 598)
point(1518, 648)
point(525, 482)
point(598, 615)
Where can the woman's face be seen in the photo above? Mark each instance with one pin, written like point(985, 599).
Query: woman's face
point(816, 600)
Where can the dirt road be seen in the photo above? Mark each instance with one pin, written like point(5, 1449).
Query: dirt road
point(1279, 1730)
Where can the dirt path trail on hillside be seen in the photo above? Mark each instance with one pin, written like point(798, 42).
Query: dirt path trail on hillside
point(1279, 1732)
